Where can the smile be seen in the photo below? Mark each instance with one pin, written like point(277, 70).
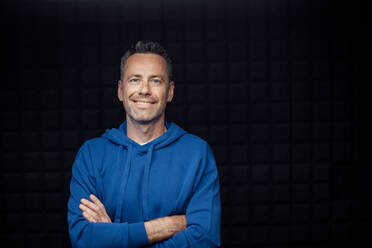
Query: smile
point(143, 103)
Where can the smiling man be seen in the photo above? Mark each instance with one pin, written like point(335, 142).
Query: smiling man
point(145, 89)
point(147, 182)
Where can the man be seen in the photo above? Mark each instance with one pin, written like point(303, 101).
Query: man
point(147, 182)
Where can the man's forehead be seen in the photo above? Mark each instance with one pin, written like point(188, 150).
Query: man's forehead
point(146, 58)
point(137, 62)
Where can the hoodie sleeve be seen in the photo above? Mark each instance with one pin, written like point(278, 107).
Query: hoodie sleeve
point(86, 234)
point(203, 211)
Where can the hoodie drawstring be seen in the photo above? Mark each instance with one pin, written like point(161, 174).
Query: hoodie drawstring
point(124, 183)
point(146, 180)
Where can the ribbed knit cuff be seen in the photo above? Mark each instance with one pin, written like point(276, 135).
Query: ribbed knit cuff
point(137, 234)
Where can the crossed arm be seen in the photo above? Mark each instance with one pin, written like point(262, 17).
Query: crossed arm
point(86, 224)
point(157, 230)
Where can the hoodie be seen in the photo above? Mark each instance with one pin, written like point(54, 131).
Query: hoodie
point(173, 174)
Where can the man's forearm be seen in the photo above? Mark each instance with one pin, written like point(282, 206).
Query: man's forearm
point(163, 228)
point(157, 230)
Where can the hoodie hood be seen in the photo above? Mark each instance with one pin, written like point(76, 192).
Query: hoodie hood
point(119, 136)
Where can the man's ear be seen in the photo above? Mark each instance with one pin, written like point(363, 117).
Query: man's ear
point(120, 90)
point(170, 91)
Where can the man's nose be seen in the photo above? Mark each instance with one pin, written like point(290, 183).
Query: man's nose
point(144, 88)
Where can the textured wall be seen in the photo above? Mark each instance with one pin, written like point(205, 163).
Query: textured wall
point(278, 89)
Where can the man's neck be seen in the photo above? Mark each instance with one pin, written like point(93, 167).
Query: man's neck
point(144, 133)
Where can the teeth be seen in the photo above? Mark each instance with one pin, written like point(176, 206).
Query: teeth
point(143, 103)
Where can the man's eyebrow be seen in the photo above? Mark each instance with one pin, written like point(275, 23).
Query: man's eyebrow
point(134, 75)
point(159, 76)
point(151, 76)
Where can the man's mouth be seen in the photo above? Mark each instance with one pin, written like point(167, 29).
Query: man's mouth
point(142, 102)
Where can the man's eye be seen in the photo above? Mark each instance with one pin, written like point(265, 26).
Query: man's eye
point(134, 80)
point(156, 81)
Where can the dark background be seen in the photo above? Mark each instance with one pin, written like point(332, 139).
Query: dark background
point(278, 88)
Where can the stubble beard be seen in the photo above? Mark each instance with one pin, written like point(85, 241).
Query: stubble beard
point(140, 119)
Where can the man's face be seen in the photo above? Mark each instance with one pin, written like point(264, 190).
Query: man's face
point(144, 89)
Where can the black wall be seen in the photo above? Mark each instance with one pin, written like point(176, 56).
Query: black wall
point(277, 87)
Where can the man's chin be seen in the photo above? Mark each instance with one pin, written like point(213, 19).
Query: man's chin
point(144, 120)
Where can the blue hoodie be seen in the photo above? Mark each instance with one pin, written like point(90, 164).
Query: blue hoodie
point(173, 174)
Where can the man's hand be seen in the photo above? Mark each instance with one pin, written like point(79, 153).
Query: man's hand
point(94, 211)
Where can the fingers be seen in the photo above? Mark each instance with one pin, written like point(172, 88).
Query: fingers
point(96, 201)
point(89, 204)
point(94, 211)
point(89, 210)
point(84, 208)
point(88, 214)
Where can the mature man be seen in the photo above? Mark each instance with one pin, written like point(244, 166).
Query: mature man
point(147, 182)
